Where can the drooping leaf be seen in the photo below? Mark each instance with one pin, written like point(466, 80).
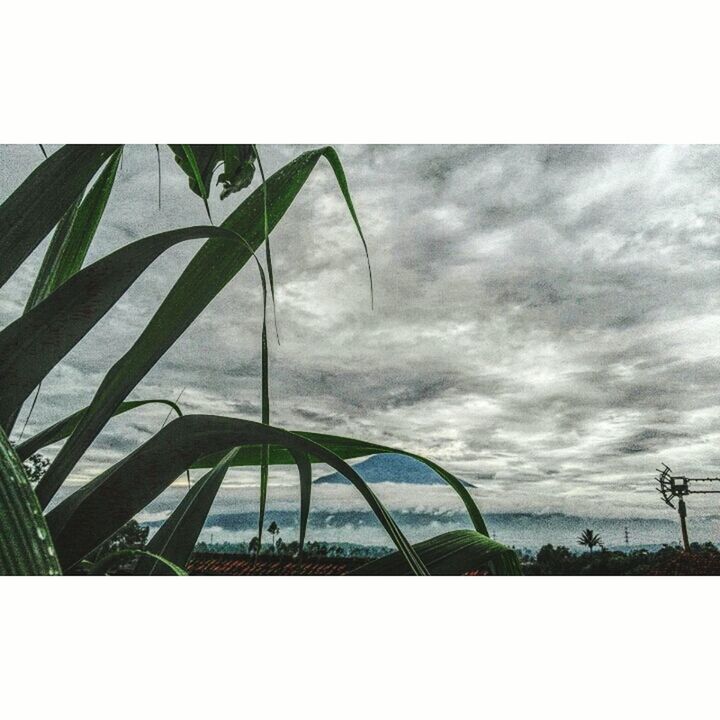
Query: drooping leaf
point(71, 241)
point(349, 448)
point(214, 265)
point(238, 170)
point(453, 553)
point(197, 177)
point(33, 344)
point(332, 157)
point(159, 166)
point(62, 428)
point(302, 460)
point(25, 544)
point(31, 212)
point(98, 509)
point(111, 561)
point(199, 163)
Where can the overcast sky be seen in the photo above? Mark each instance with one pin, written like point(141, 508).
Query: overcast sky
point(546, 318)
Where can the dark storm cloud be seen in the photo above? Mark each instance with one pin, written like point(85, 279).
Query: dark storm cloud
point(546, 318)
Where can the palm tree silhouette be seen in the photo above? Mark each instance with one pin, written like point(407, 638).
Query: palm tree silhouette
point(273, 529)
point(589, 539)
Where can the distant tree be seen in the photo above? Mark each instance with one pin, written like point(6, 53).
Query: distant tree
point(280, 547)
point(254, 546)
point(36, 466)
point(131, 536)
point(553, 556)
point(589, 539)
point(291, 548)
point(274, 530)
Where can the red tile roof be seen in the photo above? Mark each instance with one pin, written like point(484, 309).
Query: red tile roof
point(229, 564)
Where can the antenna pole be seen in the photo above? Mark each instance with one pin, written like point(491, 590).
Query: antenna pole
point(682, 512)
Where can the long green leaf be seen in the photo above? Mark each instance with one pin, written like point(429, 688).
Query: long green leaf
point(453, 553)
point(265, 461)
point(214, 265)
point(197, 176)
point(177, 536)
point(349, 448)
point(71, 241)
point(302, 460)
point(62, 428)
point(54, 251)
point(93, 513)
point(33, 344)
point(107, 563)
point(25, 544)
point(205, 158)
point(32, 211)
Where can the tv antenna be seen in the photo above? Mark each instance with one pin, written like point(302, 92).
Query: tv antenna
point(678, 486)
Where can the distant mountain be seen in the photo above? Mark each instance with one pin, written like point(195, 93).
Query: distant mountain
point(393, 468)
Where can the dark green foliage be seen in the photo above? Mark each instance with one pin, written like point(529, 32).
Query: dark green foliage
point(25, 544)
point(131, 536)
point(589, 539)
point(35, 467)
point(238, 167)
point(34, 209)
point(73, 235)
point(553, 556)
point(452, 553)
point(669, 560)
point(274, 531)
point(95, 511)
point(95, 522)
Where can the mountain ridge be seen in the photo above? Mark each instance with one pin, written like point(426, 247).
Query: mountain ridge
point(390, 467)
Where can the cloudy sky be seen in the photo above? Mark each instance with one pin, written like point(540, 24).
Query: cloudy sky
point(546, 318)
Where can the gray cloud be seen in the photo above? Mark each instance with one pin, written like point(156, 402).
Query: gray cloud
point(546, 319)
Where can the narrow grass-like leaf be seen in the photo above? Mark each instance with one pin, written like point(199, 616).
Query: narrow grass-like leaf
point(71, 241)
point(302, 460)
point(54, 251)
point(34, 209)
point(33, 344)
point(30, 412)
point(453, 553)
point(349, 448)
point(265, 462)
point(192, 162)
point(25, 544)
point(62, 428)
point(207, 158)
point(98, 509)
point(332, 157)
point(268, 254)
point(214, 265)
point(159, 164)
point(111, 561)
point(177, 536)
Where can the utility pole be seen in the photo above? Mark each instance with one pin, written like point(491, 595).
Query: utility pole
point(682, 512)
point(678, 486)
